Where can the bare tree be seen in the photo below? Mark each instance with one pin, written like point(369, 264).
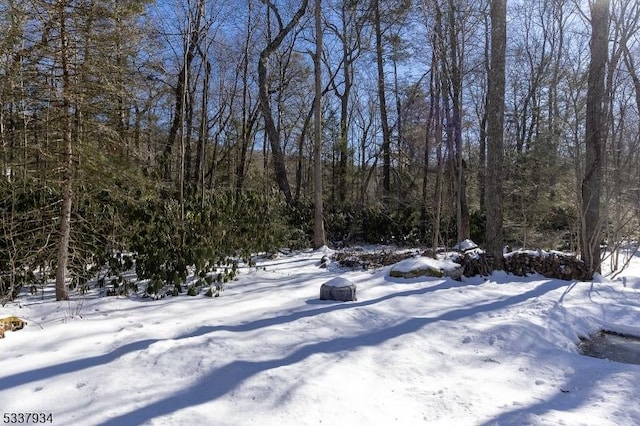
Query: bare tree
point(384, 120)
point(183, 111)
point(67, 139)
point(450, 27)
point(592, 180)
point(250, 110)
point(454, 118)
point(265, 106)
point(349, 34)
point(318, 219)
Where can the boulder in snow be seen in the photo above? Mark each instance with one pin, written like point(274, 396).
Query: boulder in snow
point(340, 289)
point(426, 267)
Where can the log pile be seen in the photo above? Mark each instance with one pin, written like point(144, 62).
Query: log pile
point(522, 263)
point(548, 264)
point(368, 260)
point(475, 262)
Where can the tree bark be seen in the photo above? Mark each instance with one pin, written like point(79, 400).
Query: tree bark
point(433, 104)
point(455, 79)
point(439, 159)
point(67, 166)
point(318, 220)
point(203, 135)
point(384, 121)
point(343, 146)
point(594, 138)
point(495, 133)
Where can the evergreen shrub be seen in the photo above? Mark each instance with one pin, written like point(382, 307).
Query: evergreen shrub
point(205, 239)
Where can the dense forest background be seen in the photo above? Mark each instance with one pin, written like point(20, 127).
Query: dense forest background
point(177, 133)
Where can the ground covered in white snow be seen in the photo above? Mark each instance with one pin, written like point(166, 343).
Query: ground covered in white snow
point(414, 351)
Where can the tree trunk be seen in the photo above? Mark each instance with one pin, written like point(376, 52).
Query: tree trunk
point(594, 140)
point(433, 104)
point(482, 166)
point(248, 116)
point(67, 166)
point(386, 132)
point(182, 93)
point(495, 133)
point(343, 147)
point(455, 79)
point(440, 162)
point(482, 159)
point(178, 118)
point(318, 220)
point(203, 136)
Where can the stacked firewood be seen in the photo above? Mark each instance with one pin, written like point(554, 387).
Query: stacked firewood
point(548, 264)
point(476, 262)
point(370, 260)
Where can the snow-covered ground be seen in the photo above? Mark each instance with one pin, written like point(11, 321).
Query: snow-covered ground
point(269, 352)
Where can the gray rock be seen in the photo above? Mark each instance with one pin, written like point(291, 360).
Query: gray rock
point(340, 289)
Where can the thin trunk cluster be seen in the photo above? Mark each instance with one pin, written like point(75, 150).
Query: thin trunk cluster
point(271, 130)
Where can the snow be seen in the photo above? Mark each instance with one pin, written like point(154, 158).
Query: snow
point(465, 245)
point(484, 351)
point(424, 263)
point(338, 282)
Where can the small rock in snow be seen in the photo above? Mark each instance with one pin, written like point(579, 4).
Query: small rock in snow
point(340, 289)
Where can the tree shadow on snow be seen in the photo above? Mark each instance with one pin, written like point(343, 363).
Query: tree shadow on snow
point(576, 393)
point(225, 379)
point(85, 363)
point(44, 373)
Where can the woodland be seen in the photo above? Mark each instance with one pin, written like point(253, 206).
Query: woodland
point(178, 136)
